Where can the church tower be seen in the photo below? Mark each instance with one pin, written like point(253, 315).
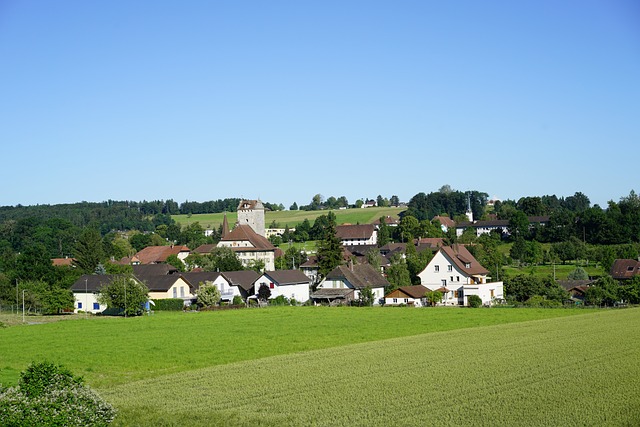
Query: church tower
point(251, 213)
point(469, 211)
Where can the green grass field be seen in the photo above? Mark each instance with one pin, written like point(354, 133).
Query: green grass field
point(292, 218)
point(346, 366)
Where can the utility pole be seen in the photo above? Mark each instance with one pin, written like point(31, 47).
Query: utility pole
point(23, 305)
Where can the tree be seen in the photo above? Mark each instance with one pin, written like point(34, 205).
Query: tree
point(139, 241)
point(408, 228)
point(208, 295)
point(373, 258)
point(578, 274)
point(221, 259)
point(433, 297)
point(366, 297)
point(264, 293)
point(384, 234)
point(293, 207)
point(605, 291)
point(88, 252)
point(394, 201)
point(398, 274)
point(34, 263)
point(176, 262)
point(329, 248)
point(125, 293)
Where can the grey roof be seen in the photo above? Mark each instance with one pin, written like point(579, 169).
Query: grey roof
point(93, 282)
point(359, 276)
point(287, 277)
point(243, 279)
point(195, 278)
point(163, 283)
point(331, 293)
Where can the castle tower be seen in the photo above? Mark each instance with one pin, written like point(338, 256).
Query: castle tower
point(251, 213)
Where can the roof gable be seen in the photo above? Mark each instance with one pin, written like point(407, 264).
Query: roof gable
point(287, 277)
point(359, 276)
point(348, 232)
point(244, 233)
point(460, 256)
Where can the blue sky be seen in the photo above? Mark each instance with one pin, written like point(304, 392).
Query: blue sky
point(281, 100)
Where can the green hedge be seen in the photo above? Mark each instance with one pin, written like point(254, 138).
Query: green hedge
point(169, 304)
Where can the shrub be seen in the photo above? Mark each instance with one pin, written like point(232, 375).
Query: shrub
point(237, 300)
point(279, 300)
point(474, 301)
point(169, 304)
point(48, 394)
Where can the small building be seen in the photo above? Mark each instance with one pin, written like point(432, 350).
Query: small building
point(159, 254)
point(86, 290)
point(625, 269)
point(413, 296)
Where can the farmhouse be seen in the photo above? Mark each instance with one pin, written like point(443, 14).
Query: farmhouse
point(344, 283)
point(457, 274)
point(498, 225)
point(292, 284)
point(363, 234)
point(624, 269)
point(86, 289)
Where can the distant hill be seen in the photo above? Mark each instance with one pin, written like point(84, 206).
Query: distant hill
point(293, 218)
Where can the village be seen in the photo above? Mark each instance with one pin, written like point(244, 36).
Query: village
point(453, 273)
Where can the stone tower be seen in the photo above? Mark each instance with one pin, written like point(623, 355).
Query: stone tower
point(251, 213)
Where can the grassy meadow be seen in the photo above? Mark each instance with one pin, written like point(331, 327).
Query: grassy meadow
point(346, 366)
point(292, 218)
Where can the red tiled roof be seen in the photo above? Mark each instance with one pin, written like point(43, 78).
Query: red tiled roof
point(461, 256)
point(242, 233)
point(154, 254)
point(362, 231)
point(625, 268)
point(60, 262)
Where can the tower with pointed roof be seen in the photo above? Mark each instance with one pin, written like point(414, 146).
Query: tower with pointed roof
point(251, 213)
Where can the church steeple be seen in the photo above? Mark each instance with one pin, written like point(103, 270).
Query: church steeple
point(225, 226)
point(469, 211)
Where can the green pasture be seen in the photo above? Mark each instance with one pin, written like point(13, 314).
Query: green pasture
point(113, 350)
point(559, 271)
point(292, 218)
point(569, 371)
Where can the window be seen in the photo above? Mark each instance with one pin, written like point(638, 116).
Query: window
point(491, 293)
point(406, 300)
point(455, 294)
point(96, 306)
point(457, 278)
point(451, 278)
point(271, 285)
point(175, 292)
point(444, 282)
point(395, 300)
point(467, 265)
point(449, 267)
point(182, 291)
point(437, 268)
point(79, 304)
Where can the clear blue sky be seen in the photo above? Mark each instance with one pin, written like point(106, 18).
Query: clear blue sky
point(281, 100)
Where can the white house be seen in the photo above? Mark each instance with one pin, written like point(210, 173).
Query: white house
point(86, 290)
point(227, 287)
point(344, 284)
point(292, 284)
point(457, 274)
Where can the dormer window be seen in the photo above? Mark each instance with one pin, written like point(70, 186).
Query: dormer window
point(467, 265)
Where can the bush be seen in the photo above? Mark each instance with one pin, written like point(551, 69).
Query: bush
point(279, 300)
point(169, 304)
point(48, 394)
point(237, 300)
point(474, 301)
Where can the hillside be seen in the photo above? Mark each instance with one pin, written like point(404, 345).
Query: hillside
point(293, 218)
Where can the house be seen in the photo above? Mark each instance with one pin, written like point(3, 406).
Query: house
point(363, 234)
point(169, 286)
point(344, 283)
point(457, 274)
point(63, 262)
point(249, 246)
point(409, 295)
point(388, 220)
point(86, 290)
point(159, 254)
point(228, 290)
point(243, 281)
point(576, 288)
point(445, 222)
point(292, 284)
point(624, 269)
point(310, 268)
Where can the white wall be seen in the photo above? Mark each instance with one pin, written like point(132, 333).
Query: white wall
point(447, 270)
point(298, 291)
point(485, 291)
point(86, 300)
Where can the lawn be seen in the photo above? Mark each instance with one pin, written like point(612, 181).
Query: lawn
point(292, 218)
